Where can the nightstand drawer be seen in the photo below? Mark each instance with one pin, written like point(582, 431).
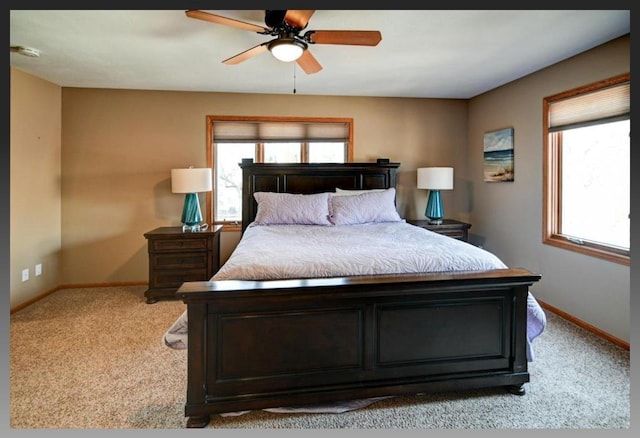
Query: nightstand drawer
point(179, 244)
point(456, 234)
point(179, 260)
point(448, 227)
point(174, 279)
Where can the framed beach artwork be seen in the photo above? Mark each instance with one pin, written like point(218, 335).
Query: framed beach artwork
point(498, 155)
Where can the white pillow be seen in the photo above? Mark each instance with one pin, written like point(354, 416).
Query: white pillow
point(343, 192)
point(370, 207)
point(291, 209)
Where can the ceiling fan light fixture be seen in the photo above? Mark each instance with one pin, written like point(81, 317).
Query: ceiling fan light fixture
point(26, 51)
point(287, 49)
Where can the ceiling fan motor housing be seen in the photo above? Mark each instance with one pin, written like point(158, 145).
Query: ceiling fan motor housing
point(274, 18)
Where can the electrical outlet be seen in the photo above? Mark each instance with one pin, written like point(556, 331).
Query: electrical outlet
point(25, 274)
point(38, 269)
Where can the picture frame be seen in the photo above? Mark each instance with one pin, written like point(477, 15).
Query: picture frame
point(499, 155)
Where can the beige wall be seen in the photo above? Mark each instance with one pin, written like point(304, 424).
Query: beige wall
point(34, 190)
point(509, 215)
point(120, 145)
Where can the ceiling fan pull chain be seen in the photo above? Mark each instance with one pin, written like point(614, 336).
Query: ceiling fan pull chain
point(294, 77)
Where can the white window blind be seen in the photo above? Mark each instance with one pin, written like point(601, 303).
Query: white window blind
point(612, 103)
point(279, 131)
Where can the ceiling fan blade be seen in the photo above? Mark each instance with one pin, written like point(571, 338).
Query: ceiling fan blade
point(309, 63)
point(298, 18)
point(243, 56)
point(348, 37)
point(218, 19)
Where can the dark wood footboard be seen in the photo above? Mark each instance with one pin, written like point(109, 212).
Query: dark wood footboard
point(264, 344)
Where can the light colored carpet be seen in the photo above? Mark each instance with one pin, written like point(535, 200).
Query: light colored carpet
point(94, 359)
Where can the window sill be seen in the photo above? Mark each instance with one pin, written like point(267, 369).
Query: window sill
point(230, 226)
point(564, 243)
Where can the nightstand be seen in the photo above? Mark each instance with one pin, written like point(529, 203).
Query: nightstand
point(448, 227)
point(176, 256)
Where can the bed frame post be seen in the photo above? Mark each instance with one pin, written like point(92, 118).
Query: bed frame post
point(197, 365)
point(520, 336)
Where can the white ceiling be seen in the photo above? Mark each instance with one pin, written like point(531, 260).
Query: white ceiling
point(423, 53)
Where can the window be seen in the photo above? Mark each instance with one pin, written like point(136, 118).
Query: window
point(587, 145)
point(266, 140)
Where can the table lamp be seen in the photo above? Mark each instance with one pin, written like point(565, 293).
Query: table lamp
point(435, 179)
point(191, 181)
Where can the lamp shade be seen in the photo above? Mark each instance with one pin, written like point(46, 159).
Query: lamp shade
point(191, 180)
point(435, 178)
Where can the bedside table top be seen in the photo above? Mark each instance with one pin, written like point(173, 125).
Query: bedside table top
point(446, 223)
point(171, 231)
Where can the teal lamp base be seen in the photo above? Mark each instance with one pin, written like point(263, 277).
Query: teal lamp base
point(191, 214)
point(435, 210)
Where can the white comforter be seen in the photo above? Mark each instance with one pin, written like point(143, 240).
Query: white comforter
point(306, 251)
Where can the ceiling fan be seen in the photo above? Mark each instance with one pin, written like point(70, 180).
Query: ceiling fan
point(289, 44)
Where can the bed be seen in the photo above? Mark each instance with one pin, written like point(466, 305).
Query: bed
point(289, 321)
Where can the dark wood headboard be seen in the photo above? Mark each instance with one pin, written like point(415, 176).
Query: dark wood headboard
point(307, 178)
